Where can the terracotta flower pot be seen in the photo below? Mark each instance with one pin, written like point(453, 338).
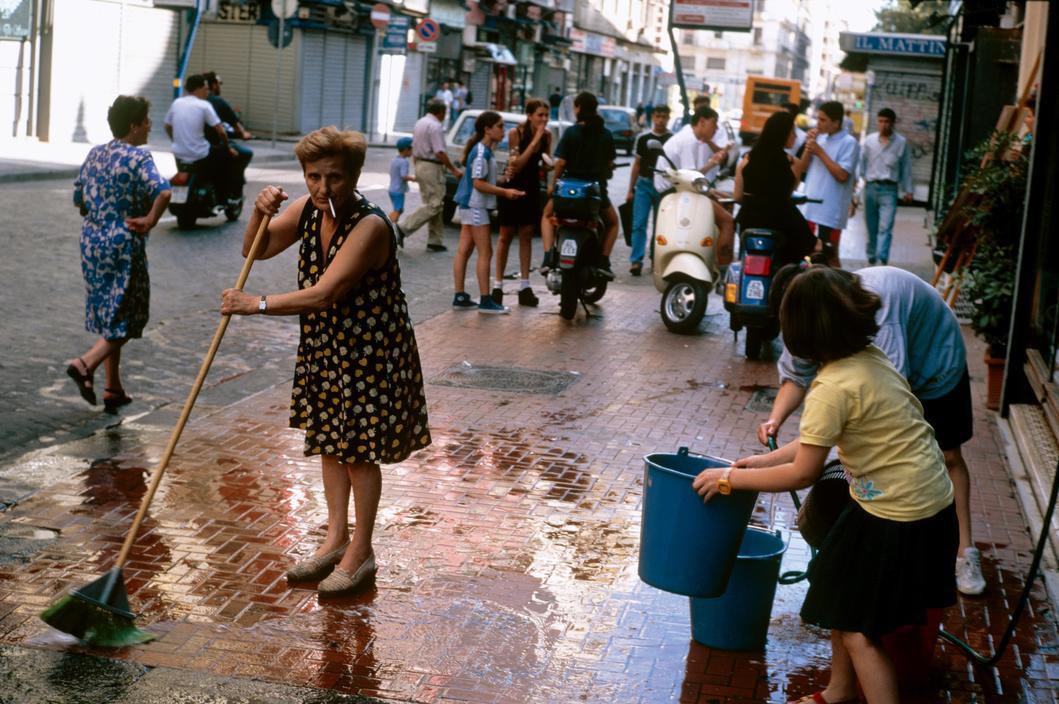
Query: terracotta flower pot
point(994, 381)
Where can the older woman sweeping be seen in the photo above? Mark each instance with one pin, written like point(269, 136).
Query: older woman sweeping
point(358, 386)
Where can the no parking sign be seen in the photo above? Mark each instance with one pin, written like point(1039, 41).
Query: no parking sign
point(427, 30)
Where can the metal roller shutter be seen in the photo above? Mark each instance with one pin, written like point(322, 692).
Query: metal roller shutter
point(248, 64)
point(333, 93)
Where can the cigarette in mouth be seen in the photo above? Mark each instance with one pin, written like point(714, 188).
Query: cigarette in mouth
point(332, 207)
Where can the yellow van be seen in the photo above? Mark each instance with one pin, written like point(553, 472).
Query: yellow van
point(763, 97)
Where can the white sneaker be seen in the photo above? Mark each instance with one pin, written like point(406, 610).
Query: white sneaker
point(969, 579)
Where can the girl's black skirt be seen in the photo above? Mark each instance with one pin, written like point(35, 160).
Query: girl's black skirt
point(874, 575)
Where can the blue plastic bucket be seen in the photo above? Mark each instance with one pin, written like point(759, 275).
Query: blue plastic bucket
point(739, 618)
point(688, 547)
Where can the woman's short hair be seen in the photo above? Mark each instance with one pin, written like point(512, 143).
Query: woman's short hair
point(826, 314)
point(330, 141)
point(126, 111)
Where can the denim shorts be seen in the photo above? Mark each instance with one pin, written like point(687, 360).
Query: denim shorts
point(474, 216)
point(397, 198)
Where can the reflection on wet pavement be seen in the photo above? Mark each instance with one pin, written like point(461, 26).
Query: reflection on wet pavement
point(507, 549)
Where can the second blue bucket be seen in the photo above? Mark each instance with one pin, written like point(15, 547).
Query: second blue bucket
point(739, 618)
point(688, 547)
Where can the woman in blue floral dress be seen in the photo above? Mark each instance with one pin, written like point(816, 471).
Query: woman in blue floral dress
point(121, 197)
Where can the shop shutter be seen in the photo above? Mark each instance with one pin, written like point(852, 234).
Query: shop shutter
point(149, 51)
point(480, 84)
point(247, 64)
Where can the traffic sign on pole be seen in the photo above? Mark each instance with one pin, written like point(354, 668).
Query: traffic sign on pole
point(380, 16)
point(427, 30)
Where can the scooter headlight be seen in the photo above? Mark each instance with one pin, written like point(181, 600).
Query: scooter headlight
point(701, 185)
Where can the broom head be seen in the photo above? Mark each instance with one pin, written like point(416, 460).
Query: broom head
point(98, 614)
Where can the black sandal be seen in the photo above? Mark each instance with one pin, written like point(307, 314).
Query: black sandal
point(83, 381)
point(111, 405)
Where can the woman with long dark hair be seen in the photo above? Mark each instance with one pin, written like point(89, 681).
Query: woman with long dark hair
point(526, 144)
point(764, 181)
point(476, 196)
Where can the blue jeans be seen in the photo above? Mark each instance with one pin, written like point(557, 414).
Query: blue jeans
point(644, 200)
point(880, 207)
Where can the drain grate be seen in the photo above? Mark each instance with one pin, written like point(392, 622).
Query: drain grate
point(524, 381)
point(761, 400)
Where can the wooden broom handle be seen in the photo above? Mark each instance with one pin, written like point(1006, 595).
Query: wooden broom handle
point(156, 479)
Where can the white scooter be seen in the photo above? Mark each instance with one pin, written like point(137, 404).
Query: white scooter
point(684, 263)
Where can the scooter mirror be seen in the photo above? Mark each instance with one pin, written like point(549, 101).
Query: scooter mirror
point(654, 145)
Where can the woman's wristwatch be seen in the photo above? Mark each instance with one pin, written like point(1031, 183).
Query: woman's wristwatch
point(262, 305)
point(724, 486)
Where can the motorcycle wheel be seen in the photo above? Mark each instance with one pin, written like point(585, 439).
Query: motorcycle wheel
point(755, 338)
point(185, 221)
point(683, 305)
point(232, 212)
point(568, 290)
point(596, 292)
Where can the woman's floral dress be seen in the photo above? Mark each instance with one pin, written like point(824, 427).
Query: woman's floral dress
point(117, 181)
point(358, 384)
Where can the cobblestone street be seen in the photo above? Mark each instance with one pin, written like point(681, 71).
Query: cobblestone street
point(507, 550)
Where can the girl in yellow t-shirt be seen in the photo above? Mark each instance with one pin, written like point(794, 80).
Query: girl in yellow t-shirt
point(892, 553)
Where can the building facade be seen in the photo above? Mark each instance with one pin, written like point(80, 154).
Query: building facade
point(779, 45)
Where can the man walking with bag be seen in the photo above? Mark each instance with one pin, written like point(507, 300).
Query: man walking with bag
point(431, 160)
point(642, 191)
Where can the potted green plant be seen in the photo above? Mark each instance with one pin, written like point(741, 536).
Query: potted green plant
point(995, 210)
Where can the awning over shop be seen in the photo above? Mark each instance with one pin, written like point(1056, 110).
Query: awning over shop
point(497, 53)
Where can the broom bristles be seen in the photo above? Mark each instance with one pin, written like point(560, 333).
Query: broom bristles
point(92, 624)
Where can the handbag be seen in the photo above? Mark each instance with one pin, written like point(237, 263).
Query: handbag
point(826, 501)
point(625, 213)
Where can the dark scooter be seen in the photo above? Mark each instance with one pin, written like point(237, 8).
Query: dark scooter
point(195, 196)
point(579, 239)
point(748, 282)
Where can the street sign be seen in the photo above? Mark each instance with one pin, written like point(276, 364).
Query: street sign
point(273, 34)
point(396, 38)
point(427, 47)
point(427, 30)
point(718, 15)
point(284, 8)
point(380, 15)
point(16, 18)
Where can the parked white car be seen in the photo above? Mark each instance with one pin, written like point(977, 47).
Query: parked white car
point(461, 132)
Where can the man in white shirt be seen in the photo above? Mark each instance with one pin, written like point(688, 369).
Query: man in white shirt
point(684, 150)
point(886, 167)
point(444, 94)
point(829, 162)
point(186, 123)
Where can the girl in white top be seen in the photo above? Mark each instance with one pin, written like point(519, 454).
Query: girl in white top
point(476, 196)
point(890, 557)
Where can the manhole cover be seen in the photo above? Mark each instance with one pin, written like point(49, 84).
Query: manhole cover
point(761, 400)
point(523, 381)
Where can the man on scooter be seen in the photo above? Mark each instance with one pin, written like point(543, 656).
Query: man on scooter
point(586, 151)
point(232, 124)
point(186, 122)
point(682, 150)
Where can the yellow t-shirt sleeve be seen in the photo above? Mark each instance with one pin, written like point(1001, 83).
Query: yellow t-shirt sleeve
point(824, 416)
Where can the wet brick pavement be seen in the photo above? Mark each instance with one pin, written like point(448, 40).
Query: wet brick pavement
point(507, 549)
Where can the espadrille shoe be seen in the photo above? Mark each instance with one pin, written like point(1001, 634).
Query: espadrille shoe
point(316, 568)
point(341, 582)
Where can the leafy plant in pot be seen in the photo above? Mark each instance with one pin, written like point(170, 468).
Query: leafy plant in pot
point(998, 184)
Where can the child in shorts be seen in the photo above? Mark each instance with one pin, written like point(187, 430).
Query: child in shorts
point(400, 177)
